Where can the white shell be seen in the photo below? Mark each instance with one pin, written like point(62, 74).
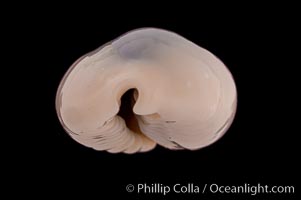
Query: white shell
point(184, 97)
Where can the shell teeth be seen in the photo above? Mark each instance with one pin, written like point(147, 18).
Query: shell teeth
point(148, 87)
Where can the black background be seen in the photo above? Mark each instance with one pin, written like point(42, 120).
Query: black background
point(257, 45)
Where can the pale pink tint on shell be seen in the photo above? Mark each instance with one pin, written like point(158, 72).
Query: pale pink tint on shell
point(182, 96)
